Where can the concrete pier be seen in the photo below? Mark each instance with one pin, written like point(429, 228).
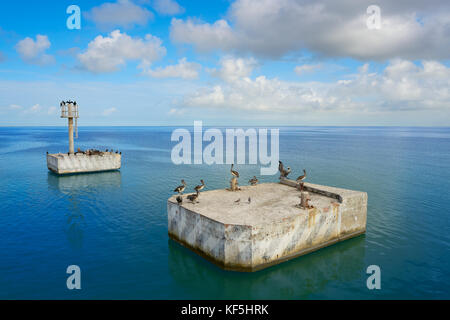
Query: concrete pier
point(63, 163)
point(271, 228)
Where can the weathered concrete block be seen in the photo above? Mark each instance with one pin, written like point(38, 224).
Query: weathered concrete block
point(271, 228)
point(77, 163)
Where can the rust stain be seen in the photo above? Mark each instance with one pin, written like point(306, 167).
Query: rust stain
point(312, 217)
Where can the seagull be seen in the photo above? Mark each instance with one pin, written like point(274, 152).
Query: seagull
point(233, 172)
point(181, 188)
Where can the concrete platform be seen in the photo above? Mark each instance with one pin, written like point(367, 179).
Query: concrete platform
point(269, 230)
point(63, 163)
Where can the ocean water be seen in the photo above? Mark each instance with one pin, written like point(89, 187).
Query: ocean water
point(114, 225)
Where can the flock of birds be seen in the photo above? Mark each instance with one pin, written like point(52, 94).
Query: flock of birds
point(193, 198)
point(285, 172)
point(63, 103)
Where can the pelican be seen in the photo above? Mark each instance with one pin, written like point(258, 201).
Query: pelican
point(300, 180)
point(233, 172)
point(284, 173)
point(253, 181)
point(302, 177)
point(193, 197)
point(181, 188)
point(200, 187)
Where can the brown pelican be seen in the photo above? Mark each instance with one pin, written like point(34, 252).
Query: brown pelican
point(284, 173)
point(233, 172)
point(253, 181)
point(193, 197)
point(181, 188)
point(300, 180)
point(302, 177)
point(200, 187)
point(180, 200)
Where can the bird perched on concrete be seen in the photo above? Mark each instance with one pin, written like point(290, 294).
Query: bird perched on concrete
point(249, 200)
point(180, 200)
point(234, 172)
point(283, 172)
point(193, 197)
point(181, 188)
point(238, 201)
point(302, 177)
point(200, 187)
point(300, 180)
point(254, 181)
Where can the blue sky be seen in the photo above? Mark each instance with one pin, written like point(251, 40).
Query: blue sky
point(243, 62)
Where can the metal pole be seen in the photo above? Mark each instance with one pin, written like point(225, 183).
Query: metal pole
point(71, 147)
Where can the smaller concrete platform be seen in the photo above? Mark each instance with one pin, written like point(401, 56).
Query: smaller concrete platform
point(63, 163)
point(271, 228)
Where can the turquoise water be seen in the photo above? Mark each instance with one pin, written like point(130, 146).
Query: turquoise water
point(113, 225)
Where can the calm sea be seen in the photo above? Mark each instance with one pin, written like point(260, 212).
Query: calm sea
point(114, 226)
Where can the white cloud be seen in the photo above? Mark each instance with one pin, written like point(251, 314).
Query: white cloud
point(401, 86)
point(15, 107)
point(33, 110)
point(275, 28)
point(204, 36)
point(232, 69)
point(33, 51)
point(108, 54)
point(123, 13)
point(168, 7)
point(108, 112)
point(300, 70)
point(52, 110)
point(184, 70)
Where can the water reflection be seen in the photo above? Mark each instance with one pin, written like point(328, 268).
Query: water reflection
point(80, 183)
point(295, 279)
point(74, 188)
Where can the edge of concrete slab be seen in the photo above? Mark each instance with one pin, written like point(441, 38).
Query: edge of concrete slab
point(291, 256)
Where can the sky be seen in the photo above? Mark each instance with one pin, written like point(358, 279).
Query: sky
point(227, 63)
